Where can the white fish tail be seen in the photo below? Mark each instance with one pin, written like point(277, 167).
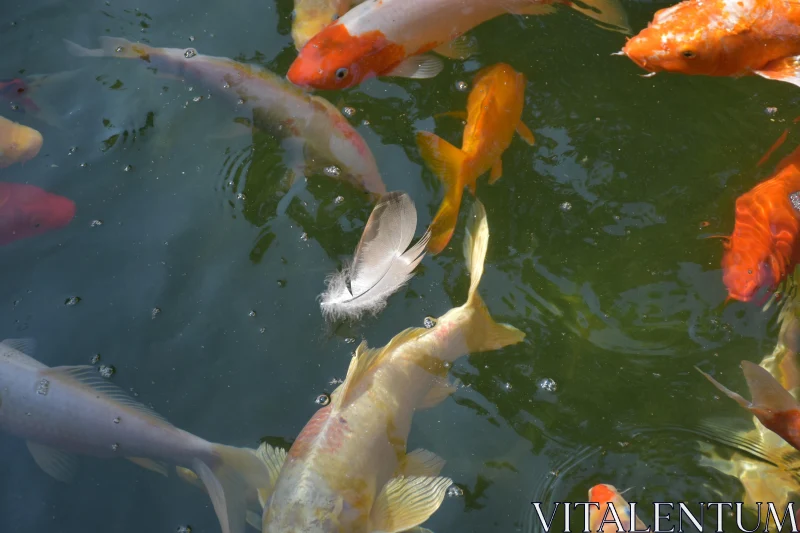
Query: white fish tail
point(234, 473)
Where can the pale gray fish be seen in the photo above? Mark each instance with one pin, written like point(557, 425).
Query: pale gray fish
point(382, 262)
point(68, 410)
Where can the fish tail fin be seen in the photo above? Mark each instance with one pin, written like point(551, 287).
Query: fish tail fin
point(610, 13)
point(448, 163)
point(228, 479)
point(481, 331)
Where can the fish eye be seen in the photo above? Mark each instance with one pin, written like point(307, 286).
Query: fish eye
point(341, 73)
point(687, 53)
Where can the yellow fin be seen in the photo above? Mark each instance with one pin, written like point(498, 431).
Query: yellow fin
point(189, 477)
point(149, 464)
point(461, 47)
point(447, 162)
point(608, 12)
point(497, 171)
point(525, 132)
point(274, 458)
point(482, 332)
point(364, 360)
point(406, 502)
point(453, 114)
point(440, 391)
point(421, 463)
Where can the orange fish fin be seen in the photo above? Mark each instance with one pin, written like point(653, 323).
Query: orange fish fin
point(454, 114)
point(786, 69)
point(417, 67)
point(459, 48)
point(447, 162)
point(777, 144)
point(525, 132)
point(497, 171)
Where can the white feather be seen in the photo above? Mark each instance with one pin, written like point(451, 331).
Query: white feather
point(381, 264)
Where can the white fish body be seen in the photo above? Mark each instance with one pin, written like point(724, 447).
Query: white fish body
point(72, 410)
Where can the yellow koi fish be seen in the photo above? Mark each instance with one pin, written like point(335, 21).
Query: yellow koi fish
point(18, 143)
point(348, 469)
point(494, 111)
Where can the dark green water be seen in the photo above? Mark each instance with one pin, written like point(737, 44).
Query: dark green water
point(619, 295)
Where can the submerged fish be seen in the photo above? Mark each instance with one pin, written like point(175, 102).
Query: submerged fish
point(26, 210)
point(24, 94)
point(348, 470)
point(722, 38)
point(494, 111)
point(18, 143)
point(311, 120)
point(72, 410)
point(391, 37)
point(763, 248)
point(311, 16)
point(604, 517)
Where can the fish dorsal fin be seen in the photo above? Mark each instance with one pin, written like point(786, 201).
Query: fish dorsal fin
point(439, 392)
point(767, 392)
point(87, 376)
point(26, 346)
point(421, 463)
point(253, 520)
point(365, 359)
point(274, 458)
point(406, 502)
point(60, 465)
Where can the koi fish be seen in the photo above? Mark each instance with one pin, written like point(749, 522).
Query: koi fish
point(16, 90)
point(67, 410)
point(722, 38)
point(348, 469)
point(494, 111)
point(762, 249)
point(392, 37)
point(24, 94)
point(18, 143)
point(618, 513)
point(26, 210)
point(308, 119)
point(311, 16)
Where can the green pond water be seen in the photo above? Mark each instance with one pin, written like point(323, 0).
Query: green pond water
point(596, 253)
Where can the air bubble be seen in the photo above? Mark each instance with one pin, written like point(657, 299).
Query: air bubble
point(338, 200)
point(155, 312)
point(566, 206)
point(119, 49)
point(106, 370)
point(95, 359)
point(332, 171)
point(95, 223)
point(429, 322)
point(350, 340)
point(251, 314)
point(114, 447)
point(128, 168)
point(462, 86)
point(72, 300)
point(43, 388)
point(349, 111)
point(240, 196)
point(117, 420)
point(197, 98)
point(262, 330)
point(454, 491)
point(190, 53)
point(184, 529)
point(547, 384)
point(304, 237)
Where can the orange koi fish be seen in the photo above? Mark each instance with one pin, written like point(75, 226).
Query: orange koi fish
point(763, 248)
point(608, 498)
point(18, 143)
point(391, 37)
point(494, 111)
point(722, 38)
point(774, 407)
point(26, 210)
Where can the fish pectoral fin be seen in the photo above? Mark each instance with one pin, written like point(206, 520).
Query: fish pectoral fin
point(253, 520)
point(406, 502)
point(532, 9)
point(440, 391)
point(422, 463)
point(497, 171)
point(786, 69)
point(525, 132)
point(273, 458)
point(149, 464)
point(26, 346)
point(461, 47)
point(189, 476)
point(766, 391)
point(732, 395)
point(418, 67)
point(454, 114)
point(60, 465)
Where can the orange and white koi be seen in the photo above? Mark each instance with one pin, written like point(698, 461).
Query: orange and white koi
point(722, 38)
point(392, 37)
point(275, 104)
point(612, 509)
point(18, 143)
point(763, 248)
point(494, 111)
point(348, 470)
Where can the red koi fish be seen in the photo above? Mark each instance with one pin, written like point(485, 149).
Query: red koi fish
point(722, 38)
point(391, 37)
point(771, 404)
point(763, 248)
point(26, 210)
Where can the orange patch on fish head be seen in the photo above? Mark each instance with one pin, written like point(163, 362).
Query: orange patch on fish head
point(747, 273)
point(602, 494)
point(333, 59)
